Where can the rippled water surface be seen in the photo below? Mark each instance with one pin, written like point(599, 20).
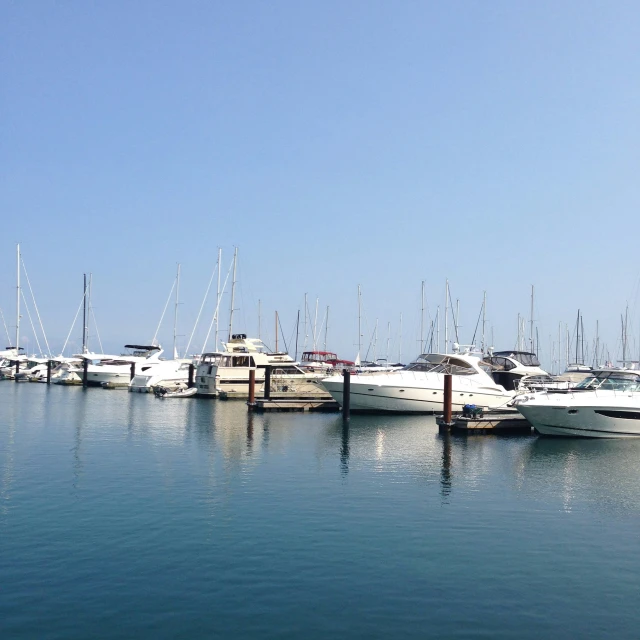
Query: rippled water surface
point(122, 515)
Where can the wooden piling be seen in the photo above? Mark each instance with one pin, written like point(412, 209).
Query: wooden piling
point(17, 369)
point(252, 386)
point(49, 363)
point(346, 394)
point(85, 366)
point(267, 382)
point(448, 396)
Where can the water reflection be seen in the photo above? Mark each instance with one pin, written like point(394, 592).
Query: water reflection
point(445, 473)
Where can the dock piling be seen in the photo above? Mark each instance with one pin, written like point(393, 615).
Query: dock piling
point(17, 369)
point(267, 382)
point(346, 394)
point(190, 381)
point(49, 363)
point(85, 366)
point(448, 396)
point(252, 386)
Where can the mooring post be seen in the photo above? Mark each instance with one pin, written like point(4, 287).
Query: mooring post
point(49, 363)
point(346, 394)
point(252, 387)
point(190, 382)
point(17, 368)
point(267, 382)
point(85, 366)
point(132, 375)
point(448, 395)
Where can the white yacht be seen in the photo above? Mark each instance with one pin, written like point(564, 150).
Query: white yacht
point(228, 371)
point(419, 387)
point(117, 369)
point(169, 374)
point(604, 405)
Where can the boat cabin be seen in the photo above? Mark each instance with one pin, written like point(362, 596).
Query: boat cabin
point(509, 367)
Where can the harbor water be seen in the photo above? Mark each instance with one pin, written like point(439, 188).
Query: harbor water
point(126, 516)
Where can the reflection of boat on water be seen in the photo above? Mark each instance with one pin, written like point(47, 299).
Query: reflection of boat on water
point(604, 405)
point(582, 471)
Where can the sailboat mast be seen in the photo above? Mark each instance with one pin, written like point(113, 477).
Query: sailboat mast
point(218, 298)
point(276, 331)
point(89, 290)
point(388, 339)
point(297, 332)
point(446, 317)
point(531, 323)
point(577, 336)
point(326, 328)
point(233, 291)
point(438, 329)
point(315, 327)
point(375, 343)
point(400, 340)
point(84, 317)
point(304, 346)
point(175, 315)
point(359, 324)
point(18, 300)
point(422, 320)
point(484, 318)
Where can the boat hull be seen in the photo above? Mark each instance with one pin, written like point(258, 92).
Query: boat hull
point(603, 421)
point(370, 395)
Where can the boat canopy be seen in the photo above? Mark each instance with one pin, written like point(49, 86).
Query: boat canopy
point(141, 347)
point(526, 358)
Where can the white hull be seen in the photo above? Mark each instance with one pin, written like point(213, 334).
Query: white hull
point(406, 392)
point(97, 375)
point(604, 421)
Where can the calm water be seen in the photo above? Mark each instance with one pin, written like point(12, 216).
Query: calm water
point(126, 516)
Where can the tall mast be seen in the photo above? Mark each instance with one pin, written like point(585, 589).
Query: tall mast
point(457, 322)
point(89, 290)
point(259, 320)
point(175, 315)
point(375, 342)
point(304, 346)
point(446, 317)
point(400, 341)
point(276, 331)
point(233, 291)
point(519, 340)
point(218, 297)
point(582, 339)
point(531, 323)
point(422, 320)
point(326, 328)
point(359, 324)
point(18, 300)
point(438, 329)
point(315, 327)
point(84, 317)
point(484, 318)
point(577, 337)
point(297, 332)
point(388, 339)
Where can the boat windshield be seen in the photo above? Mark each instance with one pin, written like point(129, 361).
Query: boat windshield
point(612, 381)
point(454, 366)
point(523, 357)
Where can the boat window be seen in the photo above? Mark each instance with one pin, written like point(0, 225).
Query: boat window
point(611, 381)
point(240, 361)
point(252, 362)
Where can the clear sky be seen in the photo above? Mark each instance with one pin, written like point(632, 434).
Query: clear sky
point(335, 143)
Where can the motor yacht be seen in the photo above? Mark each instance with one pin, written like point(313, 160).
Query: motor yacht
point(228, 371)
point(604, 405)
point(168, 374)
point(419, 387)
point(104, 369)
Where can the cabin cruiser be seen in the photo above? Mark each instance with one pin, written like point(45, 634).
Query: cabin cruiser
point(228, 371)
point(168, 374)
point(117, 369)
point(604, 405)
point(322, 361)
point(419, 387)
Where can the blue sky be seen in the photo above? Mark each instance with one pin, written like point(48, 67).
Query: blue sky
point(335, 144)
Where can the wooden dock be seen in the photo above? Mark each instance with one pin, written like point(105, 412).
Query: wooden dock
point(494, 423)
point(261, 405)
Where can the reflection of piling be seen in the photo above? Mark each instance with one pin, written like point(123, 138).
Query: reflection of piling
point(267, 382)
point(132, 374)
point(85, 366)
point(192, 369)
point(252, 386)
point(49, 371)
point(346, 394)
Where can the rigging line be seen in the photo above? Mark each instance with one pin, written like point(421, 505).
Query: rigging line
point(35, 335)
point(473, 340)
point(6, 330)
point(215, 313)
point(204, 300)
point(286, 348)
point(155, 335)
point(73, 324)
point(456, 320)
point(46, 342)
point(366, 357)
point(95, 324)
